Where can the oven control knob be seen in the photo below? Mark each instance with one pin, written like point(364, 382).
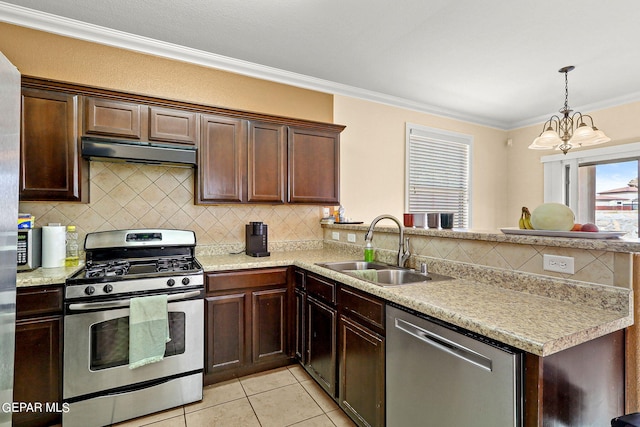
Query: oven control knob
point(185, 281)
point(89, 290)
point(107, 288)
point(171, 282)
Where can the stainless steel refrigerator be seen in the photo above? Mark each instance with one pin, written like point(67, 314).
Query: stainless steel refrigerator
point(9, 164)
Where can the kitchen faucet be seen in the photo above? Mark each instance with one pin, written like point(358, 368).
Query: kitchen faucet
point(403, 246)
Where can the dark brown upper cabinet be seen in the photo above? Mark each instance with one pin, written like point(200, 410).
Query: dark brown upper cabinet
point(241, 161)
point(51, 168)
point(114, 118)
point(221, 160)
point(170, 125)
point(314, 166)
point(243, 157)
point(267, 163)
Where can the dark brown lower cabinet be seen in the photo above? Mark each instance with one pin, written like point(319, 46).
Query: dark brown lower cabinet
point(361, 361)
point(581, 386)
point(226, 340)
point(269, 328)
point(321, 323)
point(38, 358)
point(361, 385)
point(247, 322)
point(342, 344)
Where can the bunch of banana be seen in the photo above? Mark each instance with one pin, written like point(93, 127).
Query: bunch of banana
point(525, 219)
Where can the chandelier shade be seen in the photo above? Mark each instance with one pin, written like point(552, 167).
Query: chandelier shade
point(569, 130)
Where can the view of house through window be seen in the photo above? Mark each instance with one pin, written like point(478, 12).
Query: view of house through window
point(608, 195)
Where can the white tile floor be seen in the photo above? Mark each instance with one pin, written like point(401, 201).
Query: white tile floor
point(277, 398)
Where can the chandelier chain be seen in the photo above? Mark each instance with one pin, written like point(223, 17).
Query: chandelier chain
point(566, 90)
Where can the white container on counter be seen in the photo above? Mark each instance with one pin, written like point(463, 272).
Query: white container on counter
point(53, 246)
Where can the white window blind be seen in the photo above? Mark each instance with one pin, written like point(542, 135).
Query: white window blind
point(437, 172)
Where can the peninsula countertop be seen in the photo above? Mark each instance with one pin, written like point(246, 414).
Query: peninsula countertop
point(539, 324)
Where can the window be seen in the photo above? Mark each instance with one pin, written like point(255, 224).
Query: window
point(437, 172)
point(599, 185)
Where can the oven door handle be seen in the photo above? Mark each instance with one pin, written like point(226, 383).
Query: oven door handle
point(124, 303)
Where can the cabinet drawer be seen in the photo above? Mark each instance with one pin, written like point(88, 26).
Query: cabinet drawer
point(242, 279)
point(362, 306)
point(321, 288)
point(38, 301)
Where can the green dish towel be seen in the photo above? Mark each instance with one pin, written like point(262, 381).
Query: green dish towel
point(148, 330)
point(368, 274)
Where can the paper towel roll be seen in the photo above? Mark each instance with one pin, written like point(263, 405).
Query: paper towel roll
point(53, 246)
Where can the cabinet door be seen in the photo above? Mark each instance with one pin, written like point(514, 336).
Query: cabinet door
point(51, 168)
point(226, 340)
point(321, 344)
point(114, 118)
point(37, 369)
point(166, 124)
point(266, 175)
point(314, 166)
point(269, 324)
point(301, 301)
point(361, 360)
point(222, 160)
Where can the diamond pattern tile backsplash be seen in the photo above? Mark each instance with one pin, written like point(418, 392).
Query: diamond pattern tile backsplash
point(124, 195)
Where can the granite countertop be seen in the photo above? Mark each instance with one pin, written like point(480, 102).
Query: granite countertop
point(609, 244)
point(539, 324)
point(532, 315)
point(46, 276)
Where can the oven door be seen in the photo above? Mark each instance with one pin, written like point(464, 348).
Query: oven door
point(96, 345)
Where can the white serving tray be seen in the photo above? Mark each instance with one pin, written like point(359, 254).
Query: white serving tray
point(572, 234)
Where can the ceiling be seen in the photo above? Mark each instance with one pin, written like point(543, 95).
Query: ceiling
point(492, 62)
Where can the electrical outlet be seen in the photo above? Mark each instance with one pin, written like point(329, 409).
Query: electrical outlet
point(560, 264)
point(335, 235)
point(351, 237)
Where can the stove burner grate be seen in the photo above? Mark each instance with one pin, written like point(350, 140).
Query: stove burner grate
point(126, 267)
point(109, 268)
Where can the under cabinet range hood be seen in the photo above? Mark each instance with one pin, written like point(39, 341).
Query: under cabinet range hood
point(113, 150)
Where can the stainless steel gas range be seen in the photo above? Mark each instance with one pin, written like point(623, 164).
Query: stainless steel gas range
point(99, 386)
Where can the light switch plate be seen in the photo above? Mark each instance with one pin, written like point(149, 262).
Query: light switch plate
point(351, 237)
point(335, 235)
point(557, 263)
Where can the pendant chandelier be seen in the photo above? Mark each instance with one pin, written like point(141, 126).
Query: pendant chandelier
point(570, 130)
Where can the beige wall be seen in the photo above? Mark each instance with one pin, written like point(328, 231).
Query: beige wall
point(41, 54)
point(373, 155)
point(524, 170)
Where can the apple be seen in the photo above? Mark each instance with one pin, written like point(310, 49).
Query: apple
point(589, 227)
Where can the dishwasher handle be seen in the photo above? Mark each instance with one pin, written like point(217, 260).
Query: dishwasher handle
point(444, 344)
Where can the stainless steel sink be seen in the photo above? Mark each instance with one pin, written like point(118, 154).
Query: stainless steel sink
point(382, 274)
point(355, 265)
point(400, 277)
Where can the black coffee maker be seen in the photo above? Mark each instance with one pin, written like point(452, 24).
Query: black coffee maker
point(256, 239)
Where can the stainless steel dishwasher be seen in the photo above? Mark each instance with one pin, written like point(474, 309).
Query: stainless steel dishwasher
point(439, 375)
